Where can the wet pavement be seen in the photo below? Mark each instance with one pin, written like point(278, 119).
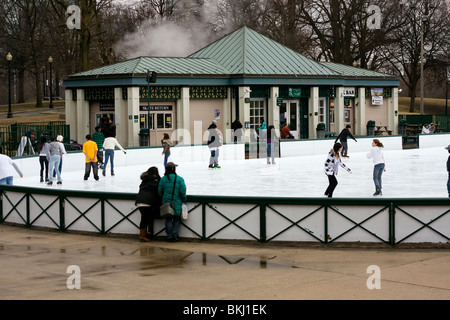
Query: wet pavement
point(49, 265)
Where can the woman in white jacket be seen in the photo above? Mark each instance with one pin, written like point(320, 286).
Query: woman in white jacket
point(376, 153)
point(109, 145)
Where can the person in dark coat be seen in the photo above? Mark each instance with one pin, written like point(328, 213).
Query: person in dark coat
point(148, 201)
point(342, 137)
point(236, 126)
point(448, 170)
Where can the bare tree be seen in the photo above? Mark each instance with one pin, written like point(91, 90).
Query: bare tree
point(405, 54)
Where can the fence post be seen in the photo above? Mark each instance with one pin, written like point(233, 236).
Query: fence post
point(262, 223)
point(392, 224)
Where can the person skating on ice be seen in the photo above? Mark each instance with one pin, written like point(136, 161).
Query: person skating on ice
point(214, 142)
point(376, 153)
point(343, 138)
point(332, 165)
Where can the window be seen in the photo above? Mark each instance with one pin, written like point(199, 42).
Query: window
point(322, 110)
point(257, 112)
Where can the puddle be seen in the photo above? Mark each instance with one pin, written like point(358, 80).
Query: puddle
point(163, 258)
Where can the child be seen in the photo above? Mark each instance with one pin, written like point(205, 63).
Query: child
point(166, 144)
point(332, 167)
point(376, 153)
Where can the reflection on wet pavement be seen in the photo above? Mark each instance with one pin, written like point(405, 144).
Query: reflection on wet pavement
point(164, 257)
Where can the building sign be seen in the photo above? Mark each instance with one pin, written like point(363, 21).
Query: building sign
point(156, 108)
point(107, 106)
point(377, 100)
point(349, 92)
point(295, 92)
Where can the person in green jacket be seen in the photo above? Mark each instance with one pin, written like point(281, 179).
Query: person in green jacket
point(168, 192)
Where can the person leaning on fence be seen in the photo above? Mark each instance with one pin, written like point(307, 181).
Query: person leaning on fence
point(448, 170)
point(148, 202)
point(172, 186)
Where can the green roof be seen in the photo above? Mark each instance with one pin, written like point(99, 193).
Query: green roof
point(249, 53)
point(174, 66)
point(349, 71)
point(243, 57)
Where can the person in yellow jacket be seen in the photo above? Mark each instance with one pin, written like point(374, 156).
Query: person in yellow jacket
point(90, 151)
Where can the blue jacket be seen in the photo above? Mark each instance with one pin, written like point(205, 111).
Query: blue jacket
point(165, 188)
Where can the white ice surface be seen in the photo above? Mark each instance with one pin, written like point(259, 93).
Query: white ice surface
point(416, 173)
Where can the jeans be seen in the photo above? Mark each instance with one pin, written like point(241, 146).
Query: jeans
point(8, 181)
point(55, 161)
point(448, 187)
point(377, 173)
point(271, 151)
point(166, 158)
point(109, 154)
point(173, 226)
point(344, 148)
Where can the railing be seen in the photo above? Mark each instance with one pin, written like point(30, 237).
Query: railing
point(324, 221)
point(10, 136)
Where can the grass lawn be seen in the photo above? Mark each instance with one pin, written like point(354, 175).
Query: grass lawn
point(431, 106)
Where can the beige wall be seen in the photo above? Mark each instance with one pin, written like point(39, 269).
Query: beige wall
point(379, 114)
point(204, 111)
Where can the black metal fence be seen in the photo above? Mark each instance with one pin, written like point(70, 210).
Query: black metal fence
point(11, 136)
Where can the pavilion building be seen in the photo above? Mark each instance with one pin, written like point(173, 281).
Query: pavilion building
point(244, 76)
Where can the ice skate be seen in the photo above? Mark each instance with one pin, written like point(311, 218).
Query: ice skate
point(378, 193)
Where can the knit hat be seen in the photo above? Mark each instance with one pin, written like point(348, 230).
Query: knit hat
point(60, 138)
point(447, 148)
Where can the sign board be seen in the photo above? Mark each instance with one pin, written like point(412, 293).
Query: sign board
point(377, 92)
point(377, 100)
point(349, 92)
point(107, 106)
point(157, 108)
point(295, 92)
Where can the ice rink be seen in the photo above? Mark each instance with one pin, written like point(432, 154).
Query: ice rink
point(415, 173)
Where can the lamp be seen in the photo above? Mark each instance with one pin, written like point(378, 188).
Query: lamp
point(9, 59)
point(50, 61)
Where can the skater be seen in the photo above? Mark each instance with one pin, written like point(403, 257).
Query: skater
point(448, 170)
point(98, 137)
point(55, 150)
point(90, 150)
point(271, 140)
point(262, 131)
point(342, 138)
point(109, 145)
point(332, 167)
point(376, 153)
point(6, 170)
point(148, 201)
point(60, 139)
point(173, 187)
point(236, 126)
point(43, 161)
point(214, 142)
point(166, 144)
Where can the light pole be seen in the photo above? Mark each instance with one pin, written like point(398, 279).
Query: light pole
point(50, 61)
point(425, 17)
point(9, 58)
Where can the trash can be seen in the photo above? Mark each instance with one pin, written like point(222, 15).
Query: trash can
point(321, 131)
point(144, 137)
point(371, 128)
point(402, 128)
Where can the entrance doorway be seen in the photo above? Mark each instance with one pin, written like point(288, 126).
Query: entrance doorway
point(295, 114)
